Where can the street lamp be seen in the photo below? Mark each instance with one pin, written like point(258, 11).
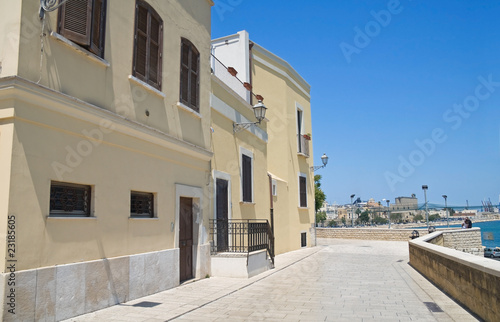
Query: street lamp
point(424, 187)
point(446, 207)
point(324, 159)
point(352, 210)
point(259, 111)
point(388, 213)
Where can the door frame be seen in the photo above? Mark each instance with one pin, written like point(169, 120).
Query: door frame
point(195, 193)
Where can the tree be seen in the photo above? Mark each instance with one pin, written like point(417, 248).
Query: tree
point(332, 223)
point(434, 217)
point(319, 195)
point(320, 216)
point(364, 217)
point(379, 220)
point(397, 217)
point(418, 218)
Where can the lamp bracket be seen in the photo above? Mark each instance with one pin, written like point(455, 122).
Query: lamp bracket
point(49, 5)
point(238, 127)
point(317, 167)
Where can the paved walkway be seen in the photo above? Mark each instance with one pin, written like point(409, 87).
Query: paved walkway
point(340, 280)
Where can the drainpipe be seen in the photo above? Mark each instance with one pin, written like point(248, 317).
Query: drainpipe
point(271, 209)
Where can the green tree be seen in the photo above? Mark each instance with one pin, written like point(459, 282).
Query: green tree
point(418, 218)
point(364, 217)
point(320, 216)
point(332, 223)
point(380, 220)
point(434, 217)
point(319, 195)
point(397, 217)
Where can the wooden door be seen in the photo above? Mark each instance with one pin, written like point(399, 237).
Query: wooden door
point(222, 215)
point(186, 238)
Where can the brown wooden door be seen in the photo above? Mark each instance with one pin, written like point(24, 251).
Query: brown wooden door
point(186, 238)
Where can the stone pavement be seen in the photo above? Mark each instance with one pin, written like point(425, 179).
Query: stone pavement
point(340, 280)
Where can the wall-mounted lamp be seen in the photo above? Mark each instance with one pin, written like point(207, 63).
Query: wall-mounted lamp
point(49, 5)
point(324, 159)
point(259, 110)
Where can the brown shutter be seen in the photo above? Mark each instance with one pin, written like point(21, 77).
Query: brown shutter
point(148, 45)
point(98, 26)
point(75, 21)
point(303, 191)
point(184, 87)
point(247, 178)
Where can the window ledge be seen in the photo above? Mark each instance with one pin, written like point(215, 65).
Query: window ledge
point(303, 154)
point(189, 109)
point(148, 87)
point(79, 49)
point(142, 218)
point(69, 217)
point(303, 208)
point(247, 203)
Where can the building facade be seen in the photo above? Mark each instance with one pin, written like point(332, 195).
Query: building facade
point(105, 151)
point(287, 136)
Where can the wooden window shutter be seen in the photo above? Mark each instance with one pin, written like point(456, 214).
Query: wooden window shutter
point(75, 21)
point(98, 27)
point(148, 42)
point(190, 80)
point(303, 191)
point(247, 178)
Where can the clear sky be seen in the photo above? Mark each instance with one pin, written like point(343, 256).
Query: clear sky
point(404, 93)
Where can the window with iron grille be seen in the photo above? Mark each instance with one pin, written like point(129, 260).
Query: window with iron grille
point(84, 23)
point(68, 199)
point(190, 81)
point(246, 178)
point(303, 191)
point(148, 42)
point(141, 204)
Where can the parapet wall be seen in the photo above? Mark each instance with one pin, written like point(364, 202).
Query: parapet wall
point(471, 280)
point(368, 233)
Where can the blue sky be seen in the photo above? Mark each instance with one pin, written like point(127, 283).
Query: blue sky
point(404, 93)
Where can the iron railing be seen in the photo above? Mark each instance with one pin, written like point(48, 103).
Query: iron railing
point(303, 144)
point(241, 236)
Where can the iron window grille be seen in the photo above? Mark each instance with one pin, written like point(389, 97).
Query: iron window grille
point(68, 199)
point(141, 204)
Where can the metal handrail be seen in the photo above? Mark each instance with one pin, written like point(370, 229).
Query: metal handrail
point(241, 236)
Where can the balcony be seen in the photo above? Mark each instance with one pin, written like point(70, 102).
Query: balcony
point(228, 76)
point(303, 145)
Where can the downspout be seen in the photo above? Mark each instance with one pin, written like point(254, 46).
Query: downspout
point(271, 210)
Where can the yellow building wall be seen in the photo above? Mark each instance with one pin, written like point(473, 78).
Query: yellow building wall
point(227, 146)
point(281, 96)
point(50, 132)
point(106, 82)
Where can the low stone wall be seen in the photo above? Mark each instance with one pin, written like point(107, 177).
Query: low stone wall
point(471, 280)
point(368, 233)
point(464, 240)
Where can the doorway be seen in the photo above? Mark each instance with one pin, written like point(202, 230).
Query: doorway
point(222, 215)
point(186, 238)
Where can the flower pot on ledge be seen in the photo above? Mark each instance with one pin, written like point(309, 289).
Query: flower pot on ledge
point(247, 86)
point(232, 71)
point(307, 137)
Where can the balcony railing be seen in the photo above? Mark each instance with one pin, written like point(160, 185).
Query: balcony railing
point(303, 144)
point(230, 79)
point(241, 236)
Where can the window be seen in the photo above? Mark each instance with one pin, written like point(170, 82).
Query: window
point(303, 239)
point(83, 22)
point(141, 204)
point(67, 199)
point(274, 187)
point(246, 180)
point(148, 41)
point(190, 81)
point(303, 191)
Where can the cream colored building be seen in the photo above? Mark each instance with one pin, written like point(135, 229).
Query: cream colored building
point(281, 155)
point(105, 151)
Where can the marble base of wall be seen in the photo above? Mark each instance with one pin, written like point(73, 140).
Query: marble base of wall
point(64, 291)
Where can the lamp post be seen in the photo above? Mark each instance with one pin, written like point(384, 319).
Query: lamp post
point(388, 213)
point(446, 207)
point(352, 210)
point(424, 187)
